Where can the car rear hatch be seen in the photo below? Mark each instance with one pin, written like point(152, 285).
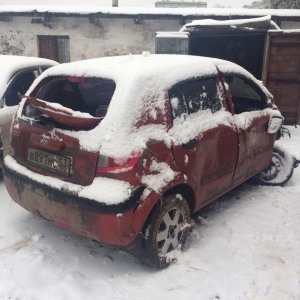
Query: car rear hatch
point(42, 138)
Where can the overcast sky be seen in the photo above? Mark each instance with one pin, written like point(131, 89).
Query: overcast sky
point(122, 3)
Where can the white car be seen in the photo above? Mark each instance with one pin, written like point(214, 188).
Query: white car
point(17, 75)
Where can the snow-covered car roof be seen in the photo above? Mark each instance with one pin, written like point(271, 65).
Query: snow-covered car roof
point(141, 85)
point(140, 75)
point(10, 64)
point(129, 68)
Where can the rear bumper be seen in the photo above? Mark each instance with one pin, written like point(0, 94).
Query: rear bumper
point(72, 198)
point(113, 224)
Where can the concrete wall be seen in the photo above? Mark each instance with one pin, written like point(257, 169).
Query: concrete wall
point(104, 37)
point(89, 38)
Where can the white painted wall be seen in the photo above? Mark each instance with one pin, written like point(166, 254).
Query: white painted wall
point(104, 37)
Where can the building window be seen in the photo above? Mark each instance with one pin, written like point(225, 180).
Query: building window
point(54, 47)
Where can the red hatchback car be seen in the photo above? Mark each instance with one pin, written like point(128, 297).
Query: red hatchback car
point(124, 149)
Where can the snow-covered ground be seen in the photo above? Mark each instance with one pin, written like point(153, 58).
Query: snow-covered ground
point(246, 245)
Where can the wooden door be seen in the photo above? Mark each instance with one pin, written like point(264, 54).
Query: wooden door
point(281, 72)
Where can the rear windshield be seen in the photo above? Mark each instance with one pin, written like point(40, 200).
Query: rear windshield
point(90, 95)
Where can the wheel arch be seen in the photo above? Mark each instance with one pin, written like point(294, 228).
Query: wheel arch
point(184, 190)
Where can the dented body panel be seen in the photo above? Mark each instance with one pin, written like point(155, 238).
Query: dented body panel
point(195, 138)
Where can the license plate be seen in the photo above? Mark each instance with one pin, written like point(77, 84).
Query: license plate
point(49, 161)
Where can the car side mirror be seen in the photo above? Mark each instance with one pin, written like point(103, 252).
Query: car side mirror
point(275, 124)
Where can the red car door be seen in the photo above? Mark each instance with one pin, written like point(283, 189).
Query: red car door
point(251, 118)
point(205, 141)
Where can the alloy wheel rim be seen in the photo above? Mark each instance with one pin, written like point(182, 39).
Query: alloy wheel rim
point(170, 231)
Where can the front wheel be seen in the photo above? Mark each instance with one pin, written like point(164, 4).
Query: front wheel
point(280, 169)
point(166, 230)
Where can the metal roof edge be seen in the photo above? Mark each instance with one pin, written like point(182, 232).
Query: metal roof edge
point(148, 13)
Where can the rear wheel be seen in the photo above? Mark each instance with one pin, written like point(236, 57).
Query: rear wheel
point(280, 169)
point(166, 230)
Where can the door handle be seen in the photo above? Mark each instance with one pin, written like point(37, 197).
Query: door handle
point(190, 144)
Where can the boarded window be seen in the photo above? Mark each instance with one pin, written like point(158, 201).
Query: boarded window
point(54, 47)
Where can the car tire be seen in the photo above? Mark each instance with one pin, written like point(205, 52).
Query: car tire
point(166, 230)
point(280, 169)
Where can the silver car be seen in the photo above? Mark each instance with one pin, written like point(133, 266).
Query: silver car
point(17, 74)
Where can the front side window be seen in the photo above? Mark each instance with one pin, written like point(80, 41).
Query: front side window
point(246, 96)
point(192, 96)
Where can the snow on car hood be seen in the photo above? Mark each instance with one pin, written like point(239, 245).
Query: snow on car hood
point(141, 85)
point(10, 64)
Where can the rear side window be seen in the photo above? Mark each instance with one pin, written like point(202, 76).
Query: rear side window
point(90, 95)
point(191, 96)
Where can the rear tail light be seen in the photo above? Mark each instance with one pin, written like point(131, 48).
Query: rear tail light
point(109, 165)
